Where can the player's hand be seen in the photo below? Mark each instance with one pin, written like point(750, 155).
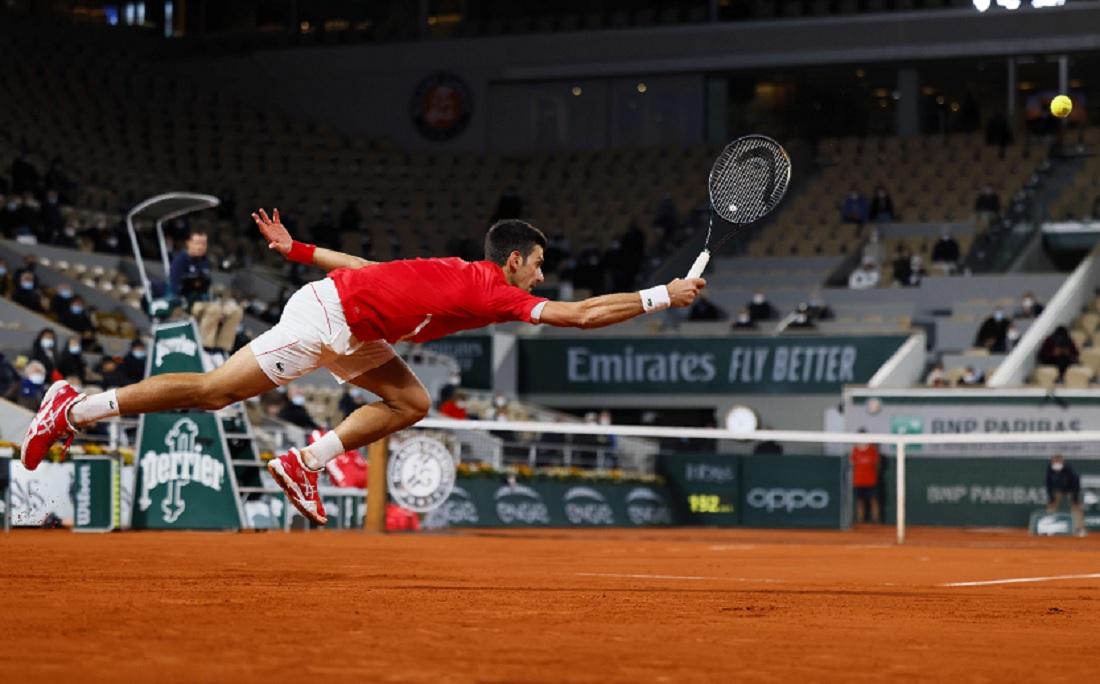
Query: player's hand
point(277, 236)
point(683, 291)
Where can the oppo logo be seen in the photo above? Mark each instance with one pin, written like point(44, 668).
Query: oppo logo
point(787, 499)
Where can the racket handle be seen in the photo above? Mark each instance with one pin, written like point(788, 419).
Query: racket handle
point(700, 263)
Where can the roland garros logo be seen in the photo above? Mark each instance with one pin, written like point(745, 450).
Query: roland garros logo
point(421, 474)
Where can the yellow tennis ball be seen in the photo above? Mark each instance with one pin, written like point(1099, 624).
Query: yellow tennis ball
point(1061, 106)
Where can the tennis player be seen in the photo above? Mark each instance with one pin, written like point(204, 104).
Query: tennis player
point(346, 323)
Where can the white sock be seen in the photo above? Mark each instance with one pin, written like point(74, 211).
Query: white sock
point(317, 455)
point(95, 407)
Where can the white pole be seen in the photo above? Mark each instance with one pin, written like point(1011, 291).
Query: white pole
point(901, 492)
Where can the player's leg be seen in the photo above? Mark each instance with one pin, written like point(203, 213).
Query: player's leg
point(403, 402)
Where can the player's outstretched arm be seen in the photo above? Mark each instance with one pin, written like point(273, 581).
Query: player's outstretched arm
point(598, 312)
point(278, 239)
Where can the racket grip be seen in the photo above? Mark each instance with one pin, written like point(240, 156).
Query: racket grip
point(700, 263)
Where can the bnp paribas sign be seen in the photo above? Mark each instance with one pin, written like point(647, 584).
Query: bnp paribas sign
point(701, 365)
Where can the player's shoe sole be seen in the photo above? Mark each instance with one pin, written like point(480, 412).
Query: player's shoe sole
point(50, 424)
point(293, 487)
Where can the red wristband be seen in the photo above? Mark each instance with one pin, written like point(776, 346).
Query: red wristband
point(301, 252)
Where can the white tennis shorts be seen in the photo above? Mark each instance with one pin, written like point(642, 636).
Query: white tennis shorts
point(312, 333)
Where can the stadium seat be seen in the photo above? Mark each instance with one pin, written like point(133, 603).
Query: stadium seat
point(1045, 376)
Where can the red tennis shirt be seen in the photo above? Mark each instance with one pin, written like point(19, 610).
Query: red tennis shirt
point(425, 299)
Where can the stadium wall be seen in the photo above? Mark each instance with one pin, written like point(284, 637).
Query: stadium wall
point(368, 89)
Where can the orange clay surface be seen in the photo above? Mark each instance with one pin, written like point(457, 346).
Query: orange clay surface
point(679, 605)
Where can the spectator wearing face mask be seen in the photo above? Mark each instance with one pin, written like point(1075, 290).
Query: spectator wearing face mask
point(744, 321)
point(44, 351)
point(972, 377)
point(1059, 349)
point(75, 317)
point(133, 364)
point(111, 374)
point(59, 303)
point(454, 381)
point(90, 343)
point(760, 309)
point(11, 218)
point(28, 295)
point(455, 407)
point(294, 410)
point(7, 286)
point(33, 386)
point(992, 333)
point(70, 363)
point(1030, 307)
point(50, 221)
point(801, 318)
point(818, 309)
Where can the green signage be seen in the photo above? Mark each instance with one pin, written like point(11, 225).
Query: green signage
point(796, 491)
point(96, 494)
point(705, 488)
point(700, 365)
point(491, 503)
point(988, 492)
point(175, 349)
point(474, 354)
point(183, 479)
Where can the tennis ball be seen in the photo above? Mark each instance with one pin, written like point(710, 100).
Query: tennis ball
point(1061, 106)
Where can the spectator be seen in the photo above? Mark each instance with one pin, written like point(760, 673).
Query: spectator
point(853, 208)
point(882, 207)
point(61, 301)
point(1058, 349)
point(11, 218)
point(987, 207)
point(75, 317)
point(44, 350)
point(936, 377)
point(866, 277)
point(30, 215)
point(916, 271)
point(351, 220)
point(9, 379)
point(90, 343)
point(454, 381)
point(111, 374)
point(24, 174)
point(818, 309)
point(666, 217)
point(744, 320)
point(28, 295)
point(354, 399)
point(190, 279)
point(874, 250)
point(67, 236)
point(1030, 307)
point(902, 265)
point(802, 318)
point(1063, 480)
point(134, 363)
point(7, 286)
point(70, 362)
point(865, 468)
point(945, 253)
point(972, 377)
point(633, 249)
point(760, 309)
point(455, 407)
point(294, 410)
point(705, 310)
point(1012, 336)
point(50, 222)
point(33, 386)
point(509, 205)
point(991, 334)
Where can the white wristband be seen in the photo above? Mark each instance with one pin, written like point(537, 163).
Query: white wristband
point(655, 298)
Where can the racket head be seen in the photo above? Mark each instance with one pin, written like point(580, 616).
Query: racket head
point(749, 179)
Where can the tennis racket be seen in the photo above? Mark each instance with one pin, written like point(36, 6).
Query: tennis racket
point(746, 182)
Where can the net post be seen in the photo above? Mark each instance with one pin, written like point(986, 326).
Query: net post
point(377, 457)
point(901, 491)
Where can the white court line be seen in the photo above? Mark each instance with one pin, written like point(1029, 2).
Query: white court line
point(674, 577)
point(1018, 580)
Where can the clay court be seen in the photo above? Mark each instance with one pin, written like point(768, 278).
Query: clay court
point(550, 606)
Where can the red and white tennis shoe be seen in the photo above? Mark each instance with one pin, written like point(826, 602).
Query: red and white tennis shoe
point(299, 483)
point(50, 424)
